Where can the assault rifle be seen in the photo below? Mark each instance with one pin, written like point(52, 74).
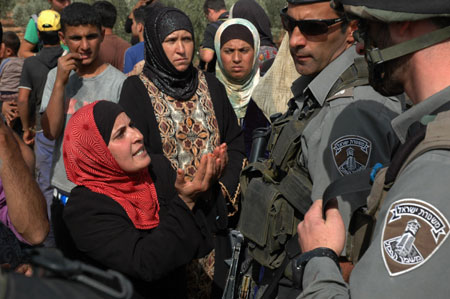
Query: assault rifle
point(230, 287)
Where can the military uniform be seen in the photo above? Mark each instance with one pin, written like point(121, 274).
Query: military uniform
point(348, 132)
point(351, 131)
point(410, 245)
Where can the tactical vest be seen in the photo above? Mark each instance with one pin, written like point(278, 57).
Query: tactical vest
point(276, 193)
point(431, 134)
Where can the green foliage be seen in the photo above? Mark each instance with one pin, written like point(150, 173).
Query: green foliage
point(25, 8)
point(194, 9)
point(5, 7)
point(273, 8)
point(123, 10)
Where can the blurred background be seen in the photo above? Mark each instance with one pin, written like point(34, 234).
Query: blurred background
point(15, 14)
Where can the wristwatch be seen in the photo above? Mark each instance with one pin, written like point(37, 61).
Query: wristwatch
point(299, 264)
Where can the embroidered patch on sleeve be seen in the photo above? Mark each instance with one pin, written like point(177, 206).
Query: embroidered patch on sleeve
point(413, 231)
point(351, 154)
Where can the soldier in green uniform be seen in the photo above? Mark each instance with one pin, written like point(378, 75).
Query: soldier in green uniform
point(407, 46)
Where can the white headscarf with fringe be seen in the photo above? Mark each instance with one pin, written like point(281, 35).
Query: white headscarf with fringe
point(239, 92)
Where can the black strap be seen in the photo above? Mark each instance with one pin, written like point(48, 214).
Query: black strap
point(416, 133)
point(403, 152)
point(355, 75)
point(271, 290)
point(296, 191)
point(357, 184)
point(292, 250)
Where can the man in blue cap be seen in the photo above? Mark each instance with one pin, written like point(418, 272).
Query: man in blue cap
point(407, 46)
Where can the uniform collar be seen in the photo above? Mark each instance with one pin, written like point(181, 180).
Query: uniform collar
point(401, 123)
point(320, 86)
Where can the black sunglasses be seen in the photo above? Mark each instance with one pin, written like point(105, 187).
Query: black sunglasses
point(308, 27)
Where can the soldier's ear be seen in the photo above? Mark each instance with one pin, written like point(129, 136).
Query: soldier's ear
point(351, 27)
point(403, 31)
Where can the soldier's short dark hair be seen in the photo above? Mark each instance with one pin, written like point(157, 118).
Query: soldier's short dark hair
point(78, 13)
point(107, 11)
point(215, 5)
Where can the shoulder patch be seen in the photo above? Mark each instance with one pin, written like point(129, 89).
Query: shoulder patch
point(413, 231)
point(351, 153)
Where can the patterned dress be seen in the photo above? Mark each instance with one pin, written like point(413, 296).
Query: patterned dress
point(188, 130)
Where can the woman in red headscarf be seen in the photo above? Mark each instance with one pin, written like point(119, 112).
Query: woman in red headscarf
point(125, 216)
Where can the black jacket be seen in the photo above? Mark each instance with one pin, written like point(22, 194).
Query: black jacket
point(153, 259)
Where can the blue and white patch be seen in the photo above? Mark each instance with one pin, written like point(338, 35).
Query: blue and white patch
point(351, 153)
point(413, 231)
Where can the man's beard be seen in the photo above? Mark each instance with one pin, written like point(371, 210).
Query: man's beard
point(383, 79)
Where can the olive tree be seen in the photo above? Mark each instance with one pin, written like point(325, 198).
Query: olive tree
point(23, 9)
point(5, 7)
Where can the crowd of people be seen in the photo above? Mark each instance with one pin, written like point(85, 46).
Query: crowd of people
point(325, 153)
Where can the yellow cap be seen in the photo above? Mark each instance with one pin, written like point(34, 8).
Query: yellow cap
point(49, 20)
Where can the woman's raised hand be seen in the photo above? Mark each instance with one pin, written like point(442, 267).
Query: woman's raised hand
point(207, 173)
point(221, 155)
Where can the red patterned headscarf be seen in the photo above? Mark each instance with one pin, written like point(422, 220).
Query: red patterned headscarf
point(89, 163)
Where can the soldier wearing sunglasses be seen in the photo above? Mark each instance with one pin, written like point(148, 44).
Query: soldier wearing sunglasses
point(346, 130)
point(407, 47)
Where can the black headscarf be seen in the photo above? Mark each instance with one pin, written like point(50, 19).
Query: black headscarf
point(161, 22)
point(105, 114)
point(253, 12)
point(236, 31)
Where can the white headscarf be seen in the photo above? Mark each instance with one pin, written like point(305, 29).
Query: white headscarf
point(239, 92)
